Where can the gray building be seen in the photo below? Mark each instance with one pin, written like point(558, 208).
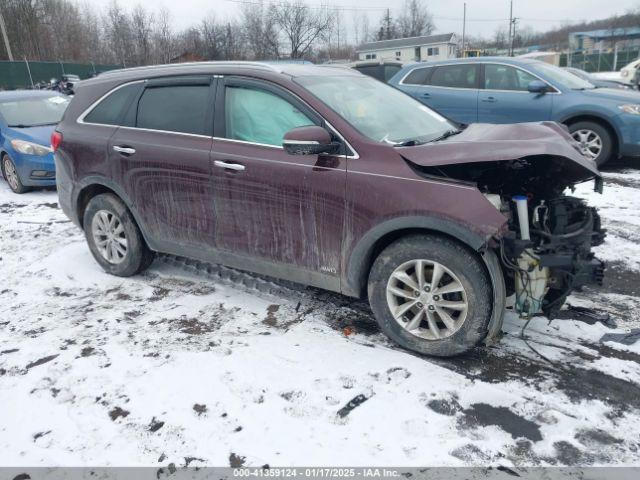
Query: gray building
point(412, 49)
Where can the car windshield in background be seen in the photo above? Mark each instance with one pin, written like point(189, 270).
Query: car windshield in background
point(562, 77)
point(378, 111)
point(34, 111)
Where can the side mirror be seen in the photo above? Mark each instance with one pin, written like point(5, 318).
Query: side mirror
point(537, 86)
point(311, 140)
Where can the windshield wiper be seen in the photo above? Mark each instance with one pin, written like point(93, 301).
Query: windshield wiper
point(23, 125)
point(447, 134)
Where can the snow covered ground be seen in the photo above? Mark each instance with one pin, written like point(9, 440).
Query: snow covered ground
point(196, 365)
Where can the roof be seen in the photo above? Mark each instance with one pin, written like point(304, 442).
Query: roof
point(223, 67)
point(406, 42)
point(9, 95)
point(505, 60)
point(609, 32)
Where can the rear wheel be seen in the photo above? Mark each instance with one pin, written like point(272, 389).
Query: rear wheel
point(114, 238)
point(431, 295)
point(11, 175)
point(594, 139)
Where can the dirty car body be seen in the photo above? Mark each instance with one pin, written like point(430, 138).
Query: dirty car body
point(304, 173)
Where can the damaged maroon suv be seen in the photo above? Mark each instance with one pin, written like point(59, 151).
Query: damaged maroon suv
point(329, 178)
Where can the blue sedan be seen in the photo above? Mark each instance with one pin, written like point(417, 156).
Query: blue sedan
point(27, 120)
point(606, 122)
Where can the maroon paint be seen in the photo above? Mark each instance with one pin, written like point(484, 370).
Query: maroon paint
point(312, 218)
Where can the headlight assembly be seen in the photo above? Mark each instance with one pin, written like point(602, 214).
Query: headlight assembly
point(632, 108)
point(30, 148)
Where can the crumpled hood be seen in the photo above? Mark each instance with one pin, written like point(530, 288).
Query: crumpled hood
point(481, 142)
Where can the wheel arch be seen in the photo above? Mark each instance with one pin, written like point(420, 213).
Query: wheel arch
point(595, 118)
point(364, 254)
point(92, 186)
point(359, 263)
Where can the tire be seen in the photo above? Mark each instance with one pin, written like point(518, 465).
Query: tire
point(581, 130)
point(460, 269)
point(9, 169)
point(107, 222)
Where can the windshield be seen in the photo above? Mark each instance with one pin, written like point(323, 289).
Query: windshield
point(34, 111)
point(562, 78)
point(378, 111)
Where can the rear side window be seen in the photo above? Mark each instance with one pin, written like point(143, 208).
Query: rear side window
point(455, 76)
point(179, 108)
point(109, 111)
point(417, 77)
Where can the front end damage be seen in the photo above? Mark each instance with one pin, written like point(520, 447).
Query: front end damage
point(545, 247)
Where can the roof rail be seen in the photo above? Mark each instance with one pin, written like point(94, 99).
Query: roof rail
point(222, 63)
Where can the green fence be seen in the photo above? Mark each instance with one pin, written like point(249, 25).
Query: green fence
point(23, 74)
point(599, 62)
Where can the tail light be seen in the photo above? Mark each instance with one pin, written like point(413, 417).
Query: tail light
point(56, 140)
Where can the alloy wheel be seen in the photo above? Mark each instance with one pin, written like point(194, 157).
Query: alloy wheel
point(427, 299)
point(11, 174)
point(109, 236)
point(590, 142)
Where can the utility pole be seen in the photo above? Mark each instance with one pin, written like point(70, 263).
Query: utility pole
point(6, 38)
point(510, 26)
point(464, 25)
point(513, 37)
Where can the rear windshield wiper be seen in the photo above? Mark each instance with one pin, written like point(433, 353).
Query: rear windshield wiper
point(447, 134)
point(23, 125)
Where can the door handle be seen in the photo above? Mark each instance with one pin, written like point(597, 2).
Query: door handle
point(490, 100)
point(426, 95)
point(124, 150)
point(229, 165)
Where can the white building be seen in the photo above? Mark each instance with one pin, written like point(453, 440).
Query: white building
point(412, 49)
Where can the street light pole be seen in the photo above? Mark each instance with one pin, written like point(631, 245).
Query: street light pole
point(510, 27)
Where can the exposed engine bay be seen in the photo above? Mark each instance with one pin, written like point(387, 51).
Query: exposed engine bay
point(546, 250)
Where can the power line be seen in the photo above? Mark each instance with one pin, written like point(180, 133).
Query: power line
point(354, 8)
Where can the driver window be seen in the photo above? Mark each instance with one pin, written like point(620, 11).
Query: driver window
point(504, 77)
point(258, 116)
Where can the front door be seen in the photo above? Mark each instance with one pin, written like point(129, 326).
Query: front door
point(278, 213)
point(161, 158)
point(505, 97)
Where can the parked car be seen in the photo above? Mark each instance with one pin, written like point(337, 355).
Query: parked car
point(606, 123)
point(595, 81)
point(27, 120)
point(629, 73)
point(382, 70)
point(330, 178)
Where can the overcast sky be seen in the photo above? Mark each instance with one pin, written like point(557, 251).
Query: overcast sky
point(483, 16)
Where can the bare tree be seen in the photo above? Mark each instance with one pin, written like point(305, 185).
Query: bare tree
point(142, 29)
point(415, 20)
point(259, 31)
point(300, 25)
point(163, 38)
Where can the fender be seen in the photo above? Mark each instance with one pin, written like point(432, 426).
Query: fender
point(359, 261)
point(596, 115)
point(117, 189)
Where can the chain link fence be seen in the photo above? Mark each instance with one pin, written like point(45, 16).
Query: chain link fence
point(599, 61)
point(14, 75)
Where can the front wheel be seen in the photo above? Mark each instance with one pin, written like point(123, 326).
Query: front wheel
point(11, 175)
point(431, 295)
point(114, 238)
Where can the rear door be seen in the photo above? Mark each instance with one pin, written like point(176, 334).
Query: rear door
point(505, 97)
point(452, 90)
point(274, 210)
point(161, 158)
